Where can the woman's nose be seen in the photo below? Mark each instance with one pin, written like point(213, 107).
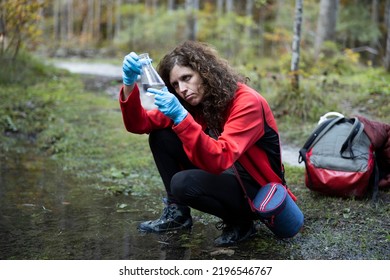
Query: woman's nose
point(182, 87)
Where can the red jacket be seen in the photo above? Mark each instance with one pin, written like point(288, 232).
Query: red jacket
point(250, 135)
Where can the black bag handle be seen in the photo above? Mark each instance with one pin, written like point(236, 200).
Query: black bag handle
point(356, 130)
point(317, 134)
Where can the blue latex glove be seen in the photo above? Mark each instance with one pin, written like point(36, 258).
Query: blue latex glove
point(169, 105)
point(131, 68)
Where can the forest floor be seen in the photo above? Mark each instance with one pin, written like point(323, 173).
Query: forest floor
point(76, 121)
point(335, 228)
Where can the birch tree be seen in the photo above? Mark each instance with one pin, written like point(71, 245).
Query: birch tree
point(229, 6)
point(118, 4)
point(248, 13)
point(110, 20)
point(191, 19)
point(2, 28)
point(326, 26)
point(70, 22)
point(219, 7)
point(387, 55)
point(56, 19)
point(87, 28)
point(97, 20)
point(171, 5)
point(296, 44)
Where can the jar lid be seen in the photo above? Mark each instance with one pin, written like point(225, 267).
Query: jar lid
point(270, 199)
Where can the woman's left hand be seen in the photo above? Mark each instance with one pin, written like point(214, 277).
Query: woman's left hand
point(169, 105)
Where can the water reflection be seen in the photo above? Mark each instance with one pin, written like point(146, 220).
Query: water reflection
point(48, 214)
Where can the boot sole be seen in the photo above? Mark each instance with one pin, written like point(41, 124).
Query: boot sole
point(185, 226)
point(248, 236)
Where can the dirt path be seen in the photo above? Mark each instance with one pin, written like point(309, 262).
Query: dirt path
point(90, 68)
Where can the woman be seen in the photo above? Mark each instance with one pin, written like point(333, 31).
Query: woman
point(210, 132)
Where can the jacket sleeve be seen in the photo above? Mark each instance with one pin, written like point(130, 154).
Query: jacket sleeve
point(244, 126)
point(138, 120)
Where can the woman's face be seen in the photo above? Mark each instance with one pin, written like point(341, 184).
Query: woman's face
point(187, 84)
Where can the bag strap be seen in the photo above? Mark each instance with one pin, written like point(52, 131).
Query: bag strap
point(356, 130)
point(323, 130)
point(243, 188)
point(375, 188)
point(235, 171)
point(316, 135)
point(324, 126)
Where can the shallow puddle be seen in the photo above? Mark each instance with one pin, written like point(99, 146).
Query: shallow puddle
point(46, 213)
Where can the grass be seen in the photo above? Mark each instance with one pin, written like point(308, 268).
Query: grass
point(83, 130)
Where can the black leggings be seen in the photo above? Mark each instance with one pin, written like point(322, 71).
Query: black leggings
point(220, 195)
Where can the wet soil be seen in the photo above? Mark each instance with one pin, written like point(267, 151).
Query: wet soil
point(46, 213)
point(49, 213)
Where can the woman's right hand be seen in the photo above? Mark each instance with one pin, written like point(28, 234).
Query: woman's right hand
point(131, 69)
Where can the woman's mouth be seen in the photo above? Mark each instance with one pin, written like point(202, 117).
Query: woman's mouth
point(189, 96)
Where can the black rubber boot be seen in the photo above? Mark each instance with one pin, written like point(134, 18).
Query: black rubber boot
point(234, 233)
point(174, 217)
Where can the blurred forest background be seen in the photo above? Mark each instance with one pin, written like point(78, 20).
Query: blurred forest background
point(250, 28)
point(241, 30)
point(312, 53)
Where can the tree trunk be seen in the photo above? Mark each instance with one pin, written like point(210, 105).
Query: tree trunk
point(280, 4)
point(191, 19)
point(171, 5)
point(88, 22)
point(326, 26)
point(220, 7)
point(248, 14)
point(387, 56)
point(375, 21)
point(97, 20)
point(296, 44)
point(118, 4)
point(229, 6)
point(63, 21)
point(261, 31)
point(110, 18)
point(56, 21)
point(2, 30)
point(70, 26)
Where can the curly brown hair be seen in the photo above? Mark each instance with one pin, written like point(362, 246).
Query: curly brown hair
point(219, 80)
